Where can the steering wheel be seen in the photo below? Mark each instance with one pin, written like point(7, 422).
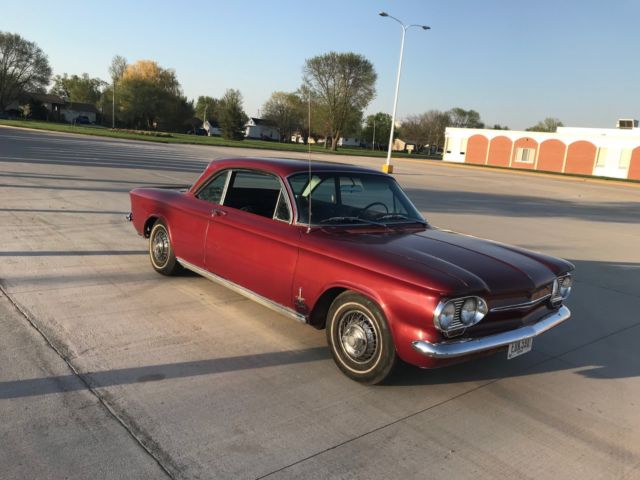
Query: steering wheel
point(371, 205)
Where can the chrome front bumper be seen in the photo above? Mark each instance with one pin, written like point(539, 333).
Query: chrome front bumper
point(460, 348)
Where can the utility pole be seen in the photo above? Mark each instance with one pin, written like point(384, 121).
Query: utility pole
point(113, 107)
point(373, 143)
point(387, 167)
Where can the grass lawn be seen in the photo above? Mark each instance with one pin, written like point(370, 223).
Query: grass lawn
point(199, 140)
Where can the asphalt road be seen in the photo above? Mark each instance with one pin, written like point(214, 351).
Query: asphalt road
point(108, 370)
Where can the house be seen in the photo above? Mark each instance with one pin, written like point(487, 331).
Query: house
point(70, 111)
point(342, 141)
point(52, 103)
point(402, 146)
point(350, 142)
point(57, 108)
point(259, 128)
point(297, 137)
point(609, 152)
point(212, 127)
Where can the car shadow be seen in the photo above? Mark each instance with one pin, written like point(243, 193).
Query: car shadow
point(127, 376)
point(71, 253)
point(504, 205)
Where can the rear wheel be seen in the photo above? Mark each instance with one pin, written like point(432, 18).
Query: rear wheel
point(360, 340)
point(160, 250)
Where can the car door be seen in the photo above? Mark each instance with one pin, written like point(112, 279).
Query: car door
point(251, 240)
point(194, 215)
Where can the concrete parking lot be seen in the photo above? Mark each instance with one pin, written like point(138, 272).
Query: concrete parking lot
point(109, 370)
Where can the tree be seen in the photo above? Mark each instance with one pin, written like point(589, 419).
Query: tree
point(285, 111)
point(547, 125)
point(426, 129)
point(318, 117)
point(116, 70)
point(341, 83)
point(465, 118)
point(380, 124)
point(82, 89)
point(151, 97)
point(23, 68)
point(232, 117)
point(208, 106)
point(117, 67)
point(500, 127)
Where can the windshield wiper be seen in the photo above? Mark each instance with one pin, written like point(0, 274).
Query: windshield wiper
point(393, 216)
point(400, 216)
point(352, 219)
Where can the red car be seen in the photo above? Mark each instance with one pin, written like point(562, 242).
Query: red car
point(343, 248)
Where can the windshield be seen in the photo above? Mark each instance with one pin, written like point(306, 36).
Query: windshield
point(351, 198)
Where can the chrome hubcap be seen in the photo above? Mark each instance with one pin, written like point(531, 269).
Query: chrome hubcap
point(358, 336)
point(160, 247)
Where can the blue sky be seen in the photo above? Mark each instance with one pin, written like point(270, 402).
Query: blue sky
point(514, 61)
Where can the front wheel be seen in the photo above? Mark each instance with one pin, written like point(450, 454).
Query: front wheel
point(360, 340)
point(160, 250)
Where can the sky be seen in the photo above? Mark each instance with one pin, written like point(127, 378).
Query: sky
point(516, 62)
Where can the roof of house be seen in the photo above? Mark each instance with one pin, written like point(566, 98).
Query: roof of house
point(261, 121)
point(43, 97)
point(212, 123)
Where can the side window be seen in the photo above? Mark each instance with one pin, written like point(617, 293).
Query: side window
point(253, 192)
point(213, 191)
point(282, 209)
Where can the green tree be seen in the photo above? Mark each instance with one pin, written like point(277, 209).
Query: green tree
point(232, 117)
point(177, 115)
point(306, 106)
point(465, 118)
point(378, 126)
point(426, 129)
point(285, 111)
point(116, 70)
point(23, 68)
point(208, 106)
point(500, 127)
point(78, 88)
point(151, 97)
point(547, 125)
point(118, 66)
point(341, 83)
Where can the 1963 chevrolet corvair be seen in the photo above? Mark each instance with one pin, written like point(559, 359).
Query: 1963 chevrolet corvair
point(343, 248)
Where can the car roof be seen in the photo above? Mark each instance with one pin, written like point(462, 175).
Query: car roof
point(286, 166)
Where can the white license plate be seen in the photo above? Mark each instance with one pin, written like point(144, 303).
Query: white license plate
point(519, 348)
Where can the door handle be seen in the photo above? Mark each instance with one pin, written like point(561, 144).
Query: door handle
point(216, 212)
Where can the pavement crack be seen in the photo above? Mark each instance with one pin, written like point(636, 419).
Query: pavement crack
point(382, 427)
point(148, 445)
point(443, 402)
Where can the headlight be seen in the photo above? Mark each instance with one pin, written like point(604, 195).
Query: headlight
point(457, 314)
point(564, 286)
point(468, 311)
point(447, 315)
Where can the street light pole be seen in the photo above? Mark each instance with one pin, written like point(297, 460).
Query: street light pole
point(373, 142)
point(113, 106)
point(387, 167)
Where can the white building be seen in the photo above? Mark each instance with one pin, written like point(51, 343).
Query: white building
point(212, 128)
point(259, 128)
point(73, 110)
point(350, 142)
point(608, 152)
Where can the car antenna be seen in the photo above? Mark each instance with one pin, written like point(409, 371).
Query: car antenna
point(309, 158)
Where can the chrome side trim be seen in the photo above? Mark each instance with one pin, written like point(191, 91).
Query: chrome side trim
point(454, 349)
point(520, 306)
point(276, 307)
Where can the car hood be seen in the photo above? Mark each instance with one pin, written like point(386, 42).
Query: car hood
point(477, 265)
